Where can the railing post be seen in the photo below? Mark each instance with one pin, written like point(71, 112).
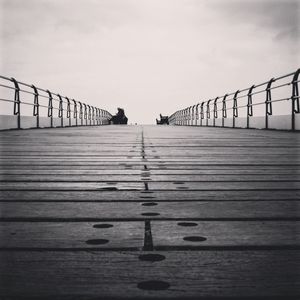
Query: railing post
point(235, 112)
point(181, 117)
point(50, 108)
point(36, 106)
point(193, 115)
point(89, 115)
point(207, 112)
point(295, 98)
point(268, 103)
point(17, 102)
point(68, 110)
point(101, 116)
point(80, 113)
point(61, 111)
point(249, 106)
point(85, 114)
point(75, 112)
point(202, 113)
point(93, 114)
point(215, 111)
point(187, 116)
point(197, 113)
point(224, 109)
point(104, 117)
point(98, 115)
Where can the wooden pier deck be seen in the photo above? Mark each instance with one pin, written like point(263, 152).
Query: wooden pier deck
point(149, 212)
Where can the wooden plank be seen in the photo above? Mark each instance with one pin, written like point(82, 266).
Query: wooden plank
point(93, 148)
point(205, 234)
point(229, 142)
point(73, 235)
point(146, 176)
point(241, 171)
point(151, 166)
point(138, 185)
point(222, 160)
point(100, 186)
point(163, 210)
point(102, 275)
point(177, 195)
point(72, 172)
point(165, 234)
point(221, 185)
point(140, 165)
point(197, 151)
point(121, 149)
point(129, 150)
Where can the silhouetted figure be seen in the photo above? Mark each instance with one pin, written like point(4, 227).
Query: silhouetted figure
point(163, 120)
point(119, 118)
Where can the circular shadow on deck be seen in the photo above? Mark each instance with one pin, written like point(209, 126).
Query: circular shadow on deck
point(97, 242)
point(149, 203)
point(150, 214)
point(151, 257)
point(195, 238)
point(104, 225)
point(187, 224)
point(153, 285)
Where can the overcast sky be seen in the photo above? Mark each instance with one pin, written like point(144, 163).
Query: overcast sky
point(147, 56)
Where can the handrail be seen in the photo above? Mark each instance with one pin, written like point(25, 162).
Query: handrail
point(231, 101)
point(66, 108)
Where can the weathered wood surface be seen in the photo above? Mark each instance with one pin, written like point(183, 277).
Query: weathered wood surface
point(175, 179)
point(82, 275)
point(247, 171)
point(125, 185)
point(72, 235)
point(165, 234)
point(81, 207)
point(225, 234)
point(162, 210)
point(137, 196)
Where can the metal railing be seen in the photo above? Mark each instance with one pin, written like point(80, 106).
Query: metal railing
point(58, 111)
point(225, 111)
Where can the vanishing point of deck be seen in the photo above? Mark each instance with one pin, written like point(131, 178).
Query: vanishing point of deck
point(143, 211)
